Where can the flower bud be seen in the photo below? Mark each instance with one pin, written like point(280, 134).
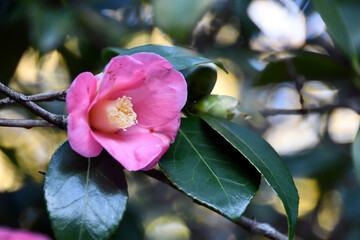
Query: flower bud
point(217, 106)
point(201, 80)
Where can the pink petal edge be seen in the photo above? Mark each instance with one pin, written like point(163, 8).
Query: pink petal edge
point(134, 152)
point(122, 73)
point(78, 99)
point(154, 64)
point(153, 163)
point(81, 93)
point(80, 137)
point(167, 132)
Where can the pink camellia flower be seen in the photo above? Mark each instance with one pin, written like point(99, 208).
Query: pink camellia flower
point(132, 110)
point(12, 234)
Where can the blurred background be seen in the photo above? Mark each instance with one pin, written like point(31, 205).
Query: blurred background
point(279, 54)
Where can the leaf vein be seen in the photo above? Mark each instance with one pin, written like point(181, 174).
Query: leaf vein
point(207, 165)
point(86, 195)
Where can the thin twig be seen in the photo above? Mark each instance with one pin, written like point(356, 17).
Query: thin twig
point(25, 123)
point(42, 97)
point(352, 103)
point(299, 80)
point(58, 120)
point(320, 110)
point(273, 112)
point(259, 228)
point(251, 226)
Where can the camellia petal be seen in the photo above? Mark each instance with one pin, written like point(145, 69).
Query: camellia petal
point(80, 136)
point(159, 99)
point(81, 93)
point(168, 131)
point(79, 97)
point(132, 151)
point(154, 65)
point(153, 163)
point(122, 73)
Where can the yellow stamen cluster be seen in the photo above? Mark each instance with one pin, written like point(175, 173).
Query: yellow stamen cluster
point(121, 113)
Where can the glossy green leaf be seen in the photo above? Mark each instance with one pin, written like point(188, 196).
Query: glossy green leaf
point(341, 18)
point(86, 198)
point(179, 57)
point(312, 66)
point(355, 150)
point(265, 160)
point(208, 169)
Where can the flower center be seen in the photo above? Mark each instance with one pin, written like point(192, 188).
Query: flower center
point(111, 115)
point(122, 113)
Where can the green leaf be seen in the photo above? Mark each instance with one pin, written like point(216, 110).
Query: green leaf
point(355, 150)
point(265, 160)
point(86, 197)
point(310, 65)
point(341, 18)
point(179, 57)
point(208, 169)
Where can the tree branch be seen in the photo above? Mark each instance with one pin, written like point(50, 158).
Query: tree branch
point(25, 123)
point(354, 105)
point(259, 228)
point(251, 226)
point(273, 112)
point(299, 80)
point(42, 97)
point(58, 120)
